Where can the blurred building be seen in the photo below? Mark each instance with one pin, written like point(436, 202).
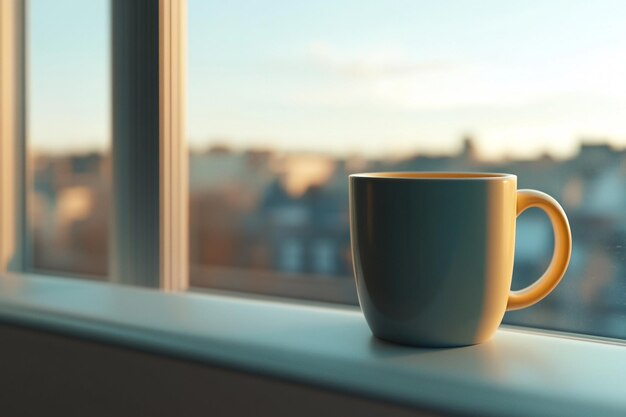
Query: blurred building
point(69, 211)
point(264, 211)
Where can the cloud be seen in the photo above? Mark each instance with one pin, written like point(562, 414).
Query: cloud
point(372, 61)
point(391, 78)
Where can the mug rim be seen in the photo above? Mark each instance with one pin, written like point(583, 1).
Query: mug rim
point(435, 176)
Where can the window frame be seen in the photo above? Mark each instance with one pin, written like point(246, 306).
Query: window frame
point(14, 247)
point(149, 239)
point(149, 221)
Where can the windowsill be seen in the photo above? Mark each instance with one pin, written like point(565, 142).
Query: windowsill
point(517, 373)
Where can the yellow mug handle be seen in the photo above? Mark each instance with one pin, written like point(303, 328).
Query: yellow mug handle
point(562, 249)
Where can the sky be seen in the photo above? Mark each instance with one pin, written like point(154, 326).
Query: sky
point(68, 80)
point(378, 78)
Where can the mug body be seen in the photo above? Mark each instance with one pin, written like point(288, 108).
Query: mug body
point(433, 254)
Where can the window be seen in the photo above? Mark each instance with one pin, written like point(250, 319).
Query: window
point(101, 114)
point(286, 99)
point(68, 136)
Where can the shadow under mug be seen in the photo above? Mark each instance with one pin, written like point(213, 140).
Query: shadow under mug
point(433, 253)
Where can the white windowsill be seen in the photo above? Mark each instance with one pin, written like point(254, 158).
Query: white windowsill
point(518, 373)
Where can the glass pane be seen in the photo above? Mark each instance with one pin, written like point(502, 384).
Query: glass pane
point(68, 129)
point(287, 98)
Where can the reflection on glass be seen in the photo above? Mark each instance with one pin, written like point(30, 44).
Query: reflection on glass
point(287, 99)
point(68, 134)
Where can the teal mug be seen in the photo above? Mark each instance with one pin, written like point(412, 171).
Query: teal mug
point(433, 253)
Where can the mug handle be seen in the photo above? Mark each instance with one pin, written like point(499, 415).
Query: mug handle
point(562, 249)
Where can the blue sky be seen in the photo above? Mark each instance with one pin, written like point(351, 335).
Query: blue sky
point(68, 74)
point(375, 77)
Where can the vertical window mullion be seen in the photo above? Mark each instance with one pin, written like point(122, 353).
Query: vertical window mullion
point(149, 164)
point(173, 158)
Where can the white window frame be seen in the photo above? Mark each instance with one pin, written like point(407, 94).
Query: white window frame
point(12, 134)
point(149, 222)
point(149, 243)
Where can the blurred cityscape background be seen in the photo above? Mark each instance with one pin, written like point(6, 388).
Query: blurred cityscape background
point(277, 223)
point(285, 99)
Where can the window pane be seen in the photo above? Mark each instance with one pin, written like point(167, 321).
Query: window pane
point(68, 129)
point(288, 98)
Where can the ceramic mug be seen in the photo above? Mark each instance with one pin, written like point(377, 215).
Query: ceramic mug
point(433, 253)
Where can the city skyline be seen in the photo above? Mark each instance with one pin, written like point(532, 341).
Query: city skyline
point(524, 79)
point(221, 145)
point(254, 227)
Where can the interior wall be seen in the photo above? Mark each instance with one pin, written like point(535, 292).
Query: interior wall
point(45, 374)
